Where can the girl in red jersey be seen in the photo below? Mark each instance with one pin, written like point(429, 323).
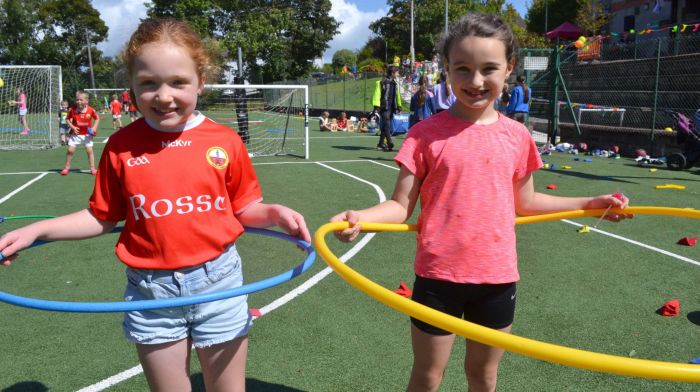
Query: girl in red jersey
point(83, 121)
point(185, 187)
point(472, 168)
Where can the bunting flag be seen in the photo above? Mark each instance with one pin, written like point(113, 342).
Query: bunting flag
point(681, 27)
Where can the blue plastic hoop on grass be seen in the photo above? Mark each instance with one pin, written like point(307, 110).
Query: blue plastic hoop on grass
point(110, 307)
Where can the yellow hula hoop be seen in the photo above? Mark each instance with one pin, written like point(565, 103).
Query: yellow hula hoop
point(532, 348)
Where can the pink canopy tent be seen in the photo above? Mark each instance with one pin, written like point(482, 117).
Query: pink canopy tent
point(565, 30)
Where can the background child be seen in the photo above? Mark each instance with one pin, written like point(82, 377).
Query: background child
point(21, 103)
point(63, 127)
point(519, 103)
point(466, 263)
point(323, 124)
point(343, 122)
point(126, 99)
point(133, 113)
point(421, 103)
point(83, 121)
point(184, 204)
point(116, 108)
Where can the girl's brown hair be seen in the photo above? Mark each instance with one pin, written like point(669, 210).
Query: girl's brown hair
point(479, 25)
point(421, 91)
point(168, 31)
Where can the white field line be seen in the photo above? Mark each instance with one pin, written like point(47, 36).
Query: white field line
point(136, 370)
point(643, 245)
point(28, 183)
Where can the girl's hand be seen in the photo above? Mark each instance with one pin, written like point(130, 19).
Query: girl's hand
point(292, 223)
point(615, 200)
point(353, 231)
point(13, 242)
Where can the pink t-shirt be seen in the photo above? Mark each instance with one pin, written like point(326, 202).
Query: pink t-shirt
point(466, 228)
point(22, 101)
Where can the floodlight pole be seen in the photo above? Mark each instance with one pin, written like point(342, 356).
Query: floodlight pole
point(446, 12)
point(89, 45)
point(413, 54)
point(546, 15)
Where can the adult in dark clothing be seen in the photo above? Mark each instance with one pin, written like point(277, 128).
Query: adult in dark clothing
point(241, 102)
point(387, 98)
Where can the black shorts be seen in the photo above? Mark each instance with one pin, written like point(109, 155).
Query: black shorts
point(490, 305)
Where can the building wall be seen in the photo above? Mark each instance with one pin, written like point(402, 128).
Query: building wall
point(642, 12)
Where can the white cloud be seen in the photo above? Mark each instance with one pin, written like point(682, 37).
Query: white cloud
point(122, 18)
point(354, 28)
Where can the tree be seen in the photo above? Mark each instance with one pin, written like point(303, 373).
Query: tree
point(558, 12)
point(591, 16)
point(429, 23)
point(280, 39)
point(52, 32)
point(343, 57)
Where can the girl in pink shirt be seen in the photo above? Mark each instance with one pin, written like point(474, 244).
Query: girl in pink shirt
point(464, 162)
point(21, 103)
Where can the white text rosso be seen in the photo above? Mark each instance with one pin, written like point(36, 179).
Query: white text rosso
point(182, 205)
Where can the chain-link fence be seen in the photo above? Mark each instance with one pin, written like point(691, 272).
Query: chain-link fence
point(616, 86)
point(349, 93)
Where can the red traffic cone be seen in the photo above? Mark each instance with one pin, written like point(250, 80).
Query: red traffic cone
point(688, 241)
point(670, 308)
point(404, 290)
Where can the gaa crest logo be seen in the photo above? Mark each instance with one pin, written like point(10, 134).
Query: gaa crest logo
point(217, 157)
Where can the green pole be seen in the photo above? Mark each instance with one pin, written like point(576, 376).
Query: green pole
point(656, 94)
point(343, 91)
point(554, 99)
point(568, 101)
point(364, 96)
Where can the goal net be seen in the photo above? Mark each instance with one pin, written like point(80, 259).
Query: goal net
point(43, 91)
point(271, 119)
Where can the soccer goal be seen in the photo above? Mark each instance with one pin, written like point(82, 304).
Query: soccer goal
point(43, 90)
point(271, 119)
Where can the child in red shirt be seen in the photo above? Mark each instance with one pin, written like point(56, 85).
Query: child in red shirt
point(116, 109)
point(83, 121)
point(185, 187)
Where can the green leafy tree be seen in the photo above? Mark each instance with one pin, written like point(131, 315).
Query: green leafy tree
point(429, 24)
point(591, 16)
point(558, 12)
point(279, 39)
point(17, 33)
point(52, 32)
point(342, 58)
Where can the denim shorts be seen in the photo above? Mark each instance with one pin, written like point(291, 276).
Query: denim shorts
point(206, 324)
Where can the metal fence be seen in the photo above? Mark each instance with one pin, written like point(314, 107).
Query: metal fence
point(349, 93)
point(625, 86)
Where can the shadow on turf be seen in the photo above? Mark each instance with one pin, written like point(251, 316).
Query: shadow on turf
point(251, 384)
point(590, 176)
point(26, 386)
point(353, 148)
point(71, 171)
point(694, 317)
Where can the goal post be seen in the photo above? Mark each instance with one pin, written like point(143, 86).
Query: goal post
point(271, 119)
point(43, 90)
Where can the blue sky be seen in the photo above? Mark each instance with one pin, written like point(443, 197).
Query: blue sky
point(123, 16)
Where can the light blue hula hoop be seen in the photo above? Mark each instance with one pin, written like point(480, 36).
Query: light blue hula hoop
point(110, 307)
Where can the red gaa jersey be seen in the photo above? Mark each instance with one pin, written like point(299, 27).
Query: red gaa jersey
point(82, 120)
point(116, 107)
point(179, 192)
